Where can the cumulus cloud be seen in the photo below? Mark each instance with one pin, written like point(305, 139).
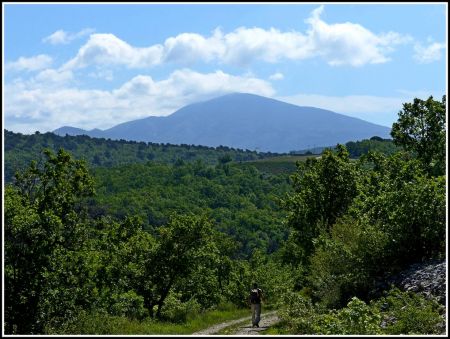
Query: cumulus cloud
point(350, 44)
point(338, 44)
point(50, 77)
point(107, 49)
point(34, 63)
point(104, 74)
point(277, 76)
point(63, 37)
point(191, 47)
point(48, 106)
point(428, 54)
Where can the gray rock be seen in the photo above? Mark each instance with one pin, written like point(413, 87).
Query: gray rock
point(427, 279)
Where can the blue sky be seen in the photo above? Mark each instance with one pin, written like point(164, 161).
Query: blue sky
point(94, 66)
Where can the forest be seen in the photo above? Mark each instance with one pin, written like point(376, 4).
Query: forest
point(21, 149)
point(117, 237)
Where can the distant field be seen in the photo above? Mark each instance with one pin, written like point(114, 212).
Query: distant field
point(284, 164)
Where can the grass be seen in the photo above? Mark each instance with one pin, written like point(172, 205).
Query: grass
point(276, 329)
point(106, 324)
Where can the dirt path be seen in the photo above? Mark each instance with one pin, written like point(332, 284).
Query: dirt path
point(243, 325)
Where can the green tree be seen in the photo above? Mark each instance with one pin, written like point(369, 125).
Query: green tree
point(421, 129)
point(41, 218)
point(408, 205)
point(178, 251)
point(323, 191)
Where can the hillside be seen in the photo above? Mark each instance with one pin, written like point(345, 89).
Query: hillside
point(244, 121)
point(20, 149)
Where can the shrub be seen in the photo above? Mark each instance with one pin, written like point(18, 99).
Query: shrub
point(128, 304)
point(297, 314)
point(410, 313)
point(356, 318)
point(346, 261)
point(177, 311)
point(396, 313)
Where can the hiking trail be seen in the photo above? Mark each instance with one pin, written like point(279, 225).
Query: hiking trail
point(243, 326)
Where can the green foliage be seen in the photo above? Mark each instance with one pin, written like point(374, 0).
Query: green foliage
point(177, 311)
point(42, 223)
point(408, 205)
point(323, 191)
point(274, 278)
point(128, 305)
point(352, 254)
point(171, 240)
point(101, 323)
point(409, 313)
point(242, 203)
point(284, 164)
point(60, 265)
point(387, 213)
point(178, 252)
point(356, 318)
point(397, 313)
point(374, 144)
point(421, 129)
point(21, 149)
point(398, 218)
point(268, 272)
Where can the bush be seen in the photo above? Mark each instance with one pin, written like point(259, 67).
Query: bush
point(128, 305)
point(396, 313)
point(407, 204)
point(297, 315)
point(356, 318)
point(410, 313)
point(178, 312)
point(346, 261)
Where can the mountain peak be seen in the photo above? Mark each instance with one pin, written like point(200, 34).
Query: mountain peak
point(247, 121)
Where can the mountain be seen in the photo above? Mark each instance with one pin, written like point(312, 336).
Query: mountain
point(245, 121)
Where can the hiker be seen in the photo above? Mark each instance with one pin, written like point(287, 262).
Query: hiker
point(255, 299)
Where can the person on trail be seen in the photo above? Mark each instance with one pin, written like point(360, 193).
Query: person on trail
point(255, 300)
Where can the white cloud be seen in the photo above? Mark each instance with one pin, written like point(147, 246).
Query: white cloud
point(191, 47)
point(41, 104)
point(104, 74)
point(338, 44)
point(107, 49)
point(58, 37)
point(348, 43)
point(63, 37)
point(277, 76)
point(428, 54)
point(34, 63)
point(53, 77)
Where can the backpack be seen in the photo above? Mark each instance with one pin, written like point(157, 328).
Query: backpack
point(255, 296)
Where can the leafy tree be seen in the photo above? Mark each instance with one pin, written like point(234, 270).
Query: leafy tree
point(41, 218)
point(323, 191)
point(178, 251)
point(374, 144)
point(421, 129)
point(407, 204)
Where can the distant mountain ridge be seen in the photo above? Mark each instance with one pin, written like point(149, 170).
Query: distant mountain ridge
point(245, 121)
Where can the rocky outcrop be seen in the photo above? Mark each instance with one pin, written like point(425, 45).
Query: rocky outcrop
point(428, 279)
